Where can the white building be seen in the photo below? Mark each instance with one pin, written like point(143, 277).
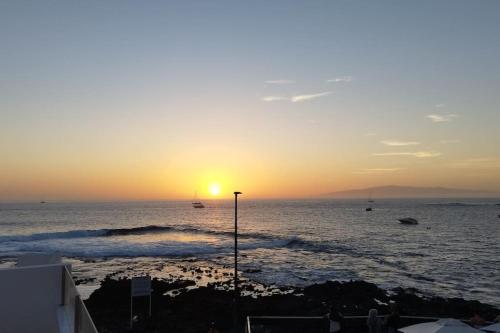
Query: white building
point(39, 295)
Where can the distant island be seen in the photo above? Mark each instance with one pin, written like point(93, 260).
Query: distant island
point(394, 191)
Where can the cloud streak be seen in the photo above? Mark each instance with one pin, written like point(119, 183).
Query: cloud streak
point(376, 171)
point(340, 79)
point(479, 163)
point(417, 154)
point(280, 81)
point(441, 118)
point(396, 143)
point(295, 98)
point(308, 97)
point(274, 98)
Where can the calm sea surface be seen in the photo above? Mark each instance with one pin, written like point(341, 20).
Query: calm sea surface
point(454, 251)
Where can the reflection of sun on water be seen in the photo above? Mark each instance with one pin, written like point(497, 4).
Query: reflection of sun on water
point(172, 236)
point(214, 189)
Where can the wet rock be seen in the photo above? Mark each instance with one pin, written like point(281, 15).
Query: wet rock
point(192, 310)
point(83, 281)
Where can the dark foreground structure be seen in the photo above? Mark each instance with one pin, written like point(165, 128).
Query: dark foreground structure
point(193, 310)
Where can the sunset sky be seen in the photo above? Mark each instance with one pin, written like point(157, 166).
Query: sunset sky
point(125, 100)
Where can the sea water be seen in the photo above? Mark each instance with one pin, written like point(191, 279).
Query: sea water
point(454, 251)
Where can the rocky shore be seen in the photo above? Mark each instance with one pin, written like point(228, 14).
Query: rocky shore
point(182, 306)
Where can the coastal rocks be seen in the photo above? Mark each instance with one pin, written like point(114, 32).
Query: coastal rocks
point(411, 303)
point(180, 306)
point(355, 297)
point(83, 281)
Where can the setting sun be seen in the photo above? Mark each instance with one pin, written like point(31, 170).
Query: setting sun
point(214, 189)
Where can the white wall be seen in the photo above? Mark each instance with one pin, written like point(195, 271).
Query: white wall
point(29, 297)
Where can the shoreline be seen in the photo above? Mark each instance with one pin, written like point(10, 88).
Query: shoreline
point(89, 272)
point(451, 254)
point(181, 306)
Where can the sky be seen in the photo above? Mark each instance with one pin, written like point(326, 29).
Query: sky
point(143, 100)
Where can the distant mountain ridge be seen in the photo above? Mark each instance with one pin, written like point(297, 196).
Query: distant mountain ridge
point(393, 191)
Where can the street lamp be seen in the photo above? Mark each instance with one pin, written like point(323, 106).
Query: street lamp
point(236, 292)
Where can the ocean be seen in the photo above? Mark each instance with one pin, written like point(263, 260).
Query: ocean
point(454, 251)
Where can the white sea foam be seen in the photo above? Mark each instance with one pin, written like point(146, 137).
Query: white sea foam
point(53, 235)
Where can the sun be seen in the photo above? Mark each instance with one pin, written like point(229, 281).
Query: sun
point(214, 189)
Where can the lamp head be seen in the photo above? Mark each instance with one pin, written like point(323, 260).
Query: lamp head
point(236, 193)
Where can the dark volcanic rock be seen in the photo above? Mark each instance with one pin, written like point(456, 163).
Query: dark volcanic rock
point(193, 310)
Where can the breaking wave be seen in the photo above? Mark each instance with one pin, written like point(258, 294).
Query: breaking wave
point(54, 235)
point(256, 239)
point(125, 232)
point(108, 243)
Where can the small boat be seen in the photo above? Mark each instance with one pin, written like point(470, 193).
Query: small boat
point(370, 201)
point(42, 202)
point(198, 204)
point(408, 220)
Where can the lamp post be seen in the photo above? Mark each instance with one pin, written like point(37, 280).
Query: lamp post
point(236, 292)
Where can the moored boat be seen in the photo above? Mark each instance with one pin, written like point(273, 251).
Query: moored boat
point(198, 204)
point(408, 220)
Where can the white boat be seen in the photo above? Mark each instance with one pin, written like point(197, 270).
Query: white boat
point(198, 204)
point(408, 220)
point(370, 200)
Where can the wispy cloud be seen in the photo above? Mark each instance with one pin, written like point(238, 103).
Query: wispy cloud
point(376, 171)
point(418, 154)
point(447, 142)
point(441, 118)
point(307, 97)
point(370, 134)
point(440, 105)
point(274, 98)
point(484, 163)
point(280, 81)
point(340, 79)
point(296, 98)
point(399, 143)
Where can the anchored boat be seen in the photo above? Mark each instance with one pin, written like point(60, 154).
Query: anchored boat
point(196, 203)
point(408, 220)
